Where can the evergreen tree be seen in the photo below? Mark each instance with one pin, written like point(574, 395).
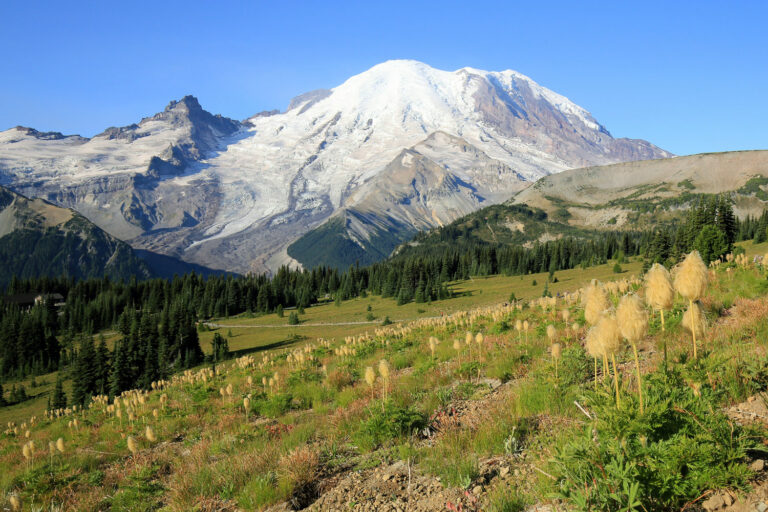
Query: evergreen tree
point(84, 374)
point(59, 399)
point(711, 243)
point(119, 378)
point(220, 348)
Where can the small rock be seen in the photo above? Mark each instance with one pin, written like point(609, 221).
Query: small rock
point(386, 477)
point(477, 490)
point(727, 499)
point(504, 471)
point(757, 465)
point(517, 472)
point(751, 399)
point(761, 507)
point(714, 503)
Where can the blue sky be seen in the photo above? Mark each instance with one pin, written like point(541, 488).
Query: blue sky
point(689, 76)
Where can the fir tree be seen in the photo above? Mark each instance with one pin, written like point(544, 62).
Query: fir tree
point(84, 372)
point(59, 399)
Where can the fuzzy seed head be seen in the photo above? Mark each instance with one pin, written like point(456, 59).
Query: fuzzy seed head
point(15, 503)
point(384, 369)
point(370, 376)
point(518, 325)
point(691, 277)
point(632, 318)
point(566, 314)
point(592, 343)
point(60, 445)
point(132, 446)
point(26, 451)
point(597, 304)
point(557, 350)
point(456, 345)
point(659, 292)
point(551, 332)
point(150, 434)
point(694, 318)
point(246, 403)
point(608, 335)
point(479, 338)
point(468, 338)
point(229, 390)
point(526, 325)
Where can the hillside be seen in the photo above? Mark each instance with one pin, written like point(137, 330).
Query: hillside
point(644, 194)
point(465, 413)
point(39, 239)
point(399, 148)
point(499, 225)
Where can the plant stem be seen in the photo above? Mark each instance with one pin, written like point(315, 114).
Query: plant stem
point(639, 378)
point(595, 372)
point(693, 328)
point(616, 379)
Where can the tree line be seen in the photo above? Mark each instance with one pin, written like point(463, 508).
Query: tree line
point(156, 318)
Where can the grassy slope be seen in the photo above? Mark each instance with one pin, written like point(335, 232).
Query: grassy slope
point(250, 334)
point(224, 461)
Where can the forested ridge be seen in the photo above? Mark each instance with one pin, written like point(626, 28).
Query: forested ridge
point(157, 318)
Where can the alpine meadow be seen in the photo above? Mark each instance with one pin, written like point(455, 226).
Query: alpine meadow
point(420, 286)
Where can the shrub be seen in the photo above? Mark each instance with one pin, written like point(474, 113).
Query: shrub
point(340, 378)
point(386, 423)
point(274, 406)
point(680, 447)
point(575, 367)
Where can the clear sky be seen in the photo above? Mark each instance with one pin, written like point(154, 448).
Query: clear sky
point(688, 76)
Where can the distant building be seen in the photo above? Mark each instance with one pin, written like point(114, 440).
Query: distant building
point(27, 300)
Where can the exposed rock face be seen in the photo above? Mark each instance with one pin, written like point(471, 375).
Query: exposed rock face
point(398, 148)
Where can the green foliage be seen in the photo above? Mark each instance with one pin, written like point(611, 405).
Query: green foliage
point(680, 447)
point(711, 243)
point(274, 405)
point(293, 318)
point(388, 422)
point(575, 367)
point(617, 268)
point(219, 348)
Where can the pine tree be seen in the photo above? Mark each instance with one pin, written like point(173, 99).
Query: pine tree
point(220, 348)
point(84, 372)
point(102, 366)
point(59, 399)
point(119, 378)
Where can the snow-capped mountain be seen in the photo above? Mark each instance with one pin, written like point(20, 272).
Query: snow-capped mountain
point(402, 146)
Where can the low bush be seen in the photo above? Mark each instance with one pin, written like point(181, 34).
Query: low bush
point(679, 448)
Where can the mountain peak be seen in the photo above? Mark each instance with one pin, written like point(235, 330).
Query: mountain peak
point(188, 102)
